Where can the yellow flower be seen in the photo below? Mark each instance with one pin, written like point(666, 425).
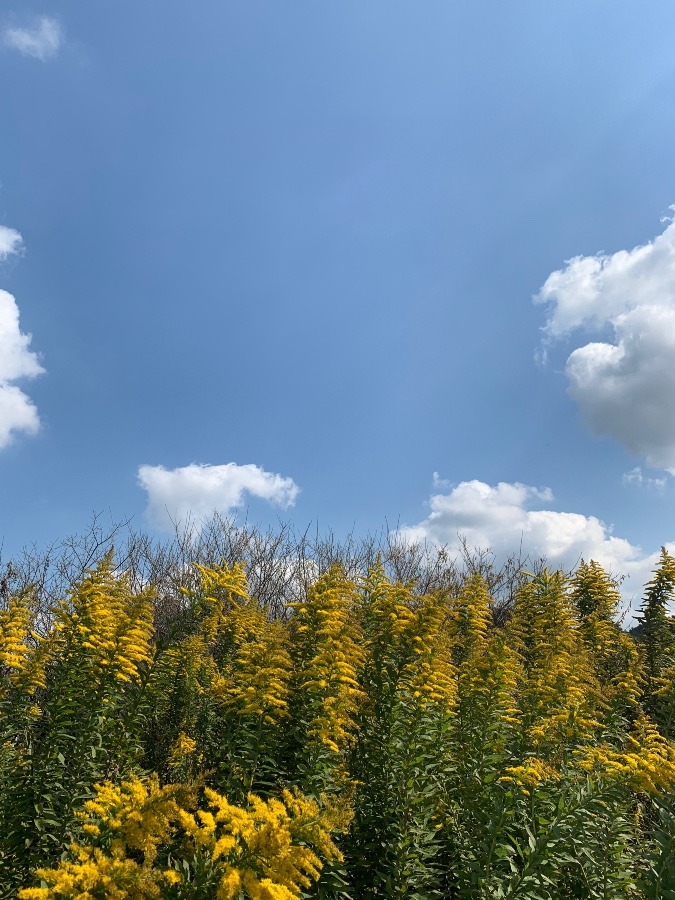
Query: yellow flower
point(328, 654)
point(647, 764)
point(265, 849)
point(140, 812)
point(256, 681)
point(113, 625)
point(530, 774)
point(183, 747)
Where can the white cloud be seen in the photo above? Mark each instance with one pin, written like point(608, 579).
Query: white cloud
point(624, 387)
point(637, 478)
point(194, 493)
point(41, 42)
point(439, 482)
point(17, 360)
point(501, 518)
point(10, 242)
point(17, 414)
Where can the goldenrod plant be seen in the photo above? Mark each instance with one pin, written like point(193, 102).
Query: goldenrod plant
point(409, 682)
point(267, 850)
point(327, 655)
point(363, 736)
point(614, 656)
point(72, 709)
point(658, 640)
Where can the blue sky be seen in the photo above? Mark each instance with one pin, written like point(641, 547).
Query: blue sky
point(281, 258)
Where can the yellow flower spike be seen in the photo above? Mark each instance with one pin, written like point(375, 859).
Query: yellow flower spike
point(229, 886)
point(561, 697)
point(221, 589)
point(15, 651)
point(470, 619)
point(431, 676)
point(109, 626)
point(328, 656)
point(615, 657)
point(257, 682)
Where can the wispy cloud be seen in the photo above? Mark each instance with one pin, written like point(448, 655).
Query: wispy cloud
point(42, 41)
point(193, 493)
point(17, 412)
point(637, 478)
point(625, 386)
point(508, 518)
point(10, 242)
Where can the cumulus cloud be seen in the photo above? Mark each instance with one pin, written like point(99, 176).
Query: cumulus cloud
point(508, 518)
point(10, 242)
point(41, 41)
point(194, 493)
point(17, 360)
point(624, 386)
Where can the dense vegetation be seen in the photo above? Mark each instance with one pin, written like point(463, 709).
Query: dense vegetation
point(471, 734)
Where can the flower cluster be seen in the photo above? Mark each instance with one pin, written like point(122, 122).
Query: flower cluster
point(110, 624)
point(15, 623)
point(135, 818)
point(530, 774)
point(263, 849)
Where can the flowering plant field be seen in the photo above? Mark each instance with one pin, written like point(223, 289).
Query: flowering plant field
point(365, 740)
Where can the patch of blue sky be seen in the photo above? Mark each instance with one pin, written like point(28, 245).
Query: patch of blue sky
point(304, 238)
